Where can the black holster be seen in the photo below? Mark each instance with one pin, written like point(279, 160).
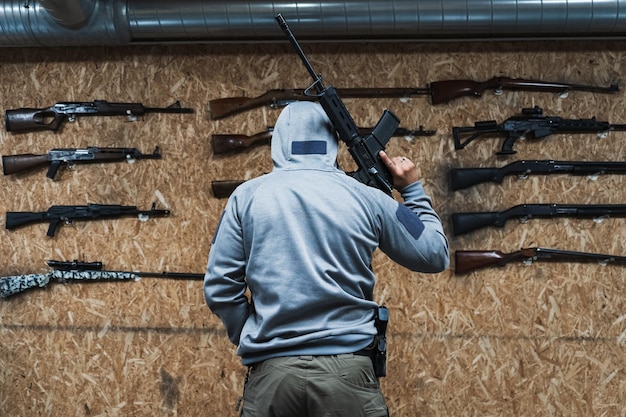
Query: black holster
point(379, 358)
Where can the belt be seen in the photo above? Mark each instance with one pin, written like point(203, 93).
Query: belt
point(368, 351)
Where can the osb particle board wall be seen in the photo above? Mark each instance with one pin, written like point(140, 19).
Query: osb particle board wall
point(543, 340)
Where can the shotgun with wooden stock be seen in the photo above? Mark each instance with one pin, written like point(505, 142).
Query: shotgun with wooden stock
point(470, 260)
point(222, 143)
point(439, 91)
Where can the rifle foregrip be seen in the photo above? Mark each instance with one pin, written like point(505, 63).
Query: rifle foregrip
point(12, 164)
point(461, 178)
point(467, 222)
point(16, 219)
point(16, 284)
point(469, 260)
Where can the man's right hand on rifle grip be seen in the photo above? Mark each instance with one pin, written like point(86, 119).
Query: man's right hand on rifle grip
point(402, 169)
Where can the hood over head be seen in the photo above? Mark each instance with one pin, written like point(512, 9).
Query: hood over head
point(304, 138)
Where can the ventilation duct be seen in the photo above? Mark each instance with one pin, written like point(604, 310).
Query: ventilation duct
point(126, 22)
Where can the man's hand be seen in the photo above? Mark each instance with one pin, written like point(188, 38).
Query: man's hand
point(402, 169)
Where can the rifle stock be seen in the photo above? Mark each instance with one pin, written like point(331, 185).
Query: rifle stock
point(12, 164)
point(224, 188)
point(15, 284)
point(470, 260)
point(461, 178)
point(16, 219)
point(226, 143)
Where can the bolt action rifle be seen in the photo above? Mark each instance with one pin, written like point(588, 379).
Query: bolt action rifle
point(466, 222)
point(531, 124)
point(51, 118)
point(222, 143)
point(439, 91)
point(364, 150)
point(12, 164)
point(67, 271)
point(68, 214)
point(461, 178)
point(470, 260)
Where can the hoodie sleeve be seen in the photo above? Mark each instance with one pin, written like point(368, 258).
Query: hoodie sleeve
point(413, 235)
point(224, 281)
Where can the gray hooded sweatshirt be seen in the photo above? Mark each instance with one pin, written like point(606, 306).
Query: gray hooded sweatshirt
point(301, 240)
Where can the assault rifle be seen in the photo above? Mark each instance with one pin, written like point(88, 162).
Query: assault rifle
point(226, 143)
point(470, 260)
point(56, 157)
point(461, 178)
point(68, 214)
point(51, 118)
point(439, 92)
point(532, 123)
point(364, 150)
point(65, 271)
point(466, 222)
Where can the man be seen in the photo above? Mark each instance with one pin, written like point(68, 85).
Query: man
point(301, 239)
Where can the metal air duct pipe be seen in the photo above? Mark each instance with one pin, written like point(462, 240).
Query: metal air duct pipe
point(125, 22)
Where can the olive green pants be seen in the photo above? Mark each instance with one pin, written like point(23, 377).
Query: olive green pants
point(314, 386)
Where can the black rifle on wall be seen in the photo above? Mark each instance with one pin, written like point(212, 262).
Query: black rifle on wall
point(532, 124)
point(470, 260)
point(12, 164)
point(51, 118)
point(461, 178)
point(364, 149)
point(439, 92)
point(222, 143)
point(79, 271)
point(55, 215)
point(466, 222)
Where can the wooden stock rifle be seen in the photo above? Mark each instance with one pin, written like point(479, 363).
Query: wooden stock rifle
point(470, 260)
point(222, 143)
point(439, 91)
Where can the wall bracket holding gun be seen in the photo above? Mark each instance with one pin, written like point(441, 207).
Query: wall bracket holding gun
point(531, 124)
